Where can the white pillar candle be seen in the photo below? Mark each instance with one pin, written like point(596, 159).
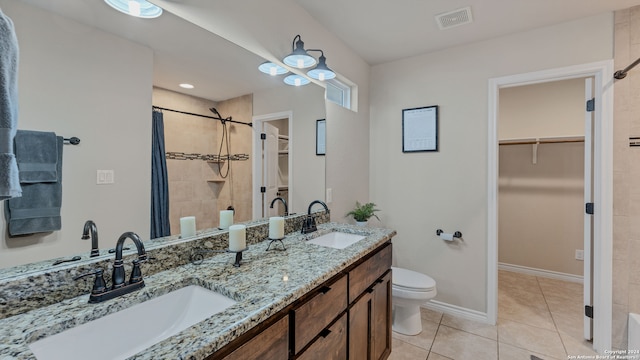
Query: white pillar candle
point(237, 237)
point(276, 227)
point(187, 226)
point(226, 219)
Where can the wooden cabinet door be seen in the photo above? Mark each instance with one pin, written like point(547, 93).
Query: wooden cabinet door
point(370, 322)
point(359, 330)
point(331, 345)
point(271, 344)
point(381, 318)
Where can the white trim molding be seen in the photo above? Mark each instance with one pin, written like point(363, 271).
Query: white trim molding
point(456, 311)
point(540, 272)
point(602, 72)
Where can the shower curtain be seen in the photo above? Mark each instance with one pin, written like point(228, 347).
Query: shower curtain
point(159, 180)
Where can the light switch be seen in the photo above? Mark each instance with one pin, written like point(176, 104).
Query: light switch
point(104, 177)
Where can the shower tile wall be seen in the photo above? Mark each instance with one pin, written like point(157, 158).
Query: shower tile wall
point(626, 172)
point(241, 109)
point(189, 192)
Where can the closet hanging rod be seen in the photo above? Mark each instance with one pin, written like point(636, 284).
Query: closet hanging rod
point(204, 116)
point(621, 74)
point(542, 141)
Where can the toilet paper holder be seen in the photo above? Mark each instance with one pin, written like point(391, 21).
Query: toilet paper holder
point(456, 234)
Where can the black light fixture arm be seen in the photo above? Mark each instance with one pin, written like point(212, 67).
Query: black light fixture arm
point(293, 43)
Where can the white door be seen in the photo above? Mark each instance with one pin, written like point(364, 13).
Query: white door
point(588, 218)
point(270, 168)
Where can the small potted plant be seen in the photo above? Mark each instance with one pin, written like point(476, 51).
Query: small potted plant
point(362, 212)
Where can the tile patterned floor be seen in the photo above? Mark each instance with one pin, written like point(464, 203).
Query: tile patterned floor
point(536, 316)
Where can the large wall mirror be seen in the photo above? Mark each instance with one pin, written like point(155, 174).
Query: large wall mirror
point(93, 73)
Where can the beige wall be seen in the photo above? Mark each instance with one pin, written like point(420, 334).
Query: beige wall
point(626, 171)
point(540, 217)
point(421, 192)
point(549, 109)
point(79, 81)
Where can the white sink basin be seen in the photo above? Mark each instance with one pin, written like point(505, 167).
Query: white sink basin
point(337, 240)
point(129, 331)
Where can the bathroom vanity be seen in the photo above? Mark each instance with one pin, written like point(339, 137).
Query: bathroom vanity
point(308, 302)
point(347, 317)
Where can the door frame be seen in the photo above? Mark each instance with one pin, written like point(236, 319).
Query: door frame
point(602, 185)
point(257, 121)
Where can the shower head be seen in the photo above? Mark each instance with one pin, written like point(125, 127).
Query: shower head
point(213, 110)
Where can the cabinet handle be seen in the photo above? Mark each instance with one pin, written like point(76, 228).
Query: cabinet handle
point(379, 281)
point(324, 333)
point(371, 289)
point(325, 289)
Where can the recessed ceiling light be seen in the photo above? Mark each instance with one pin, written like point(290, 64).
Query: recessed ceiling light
point(187, 86)
point(137, 8)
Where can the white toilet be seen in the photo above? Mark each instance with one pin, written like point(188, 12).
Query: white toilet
point(410, 289)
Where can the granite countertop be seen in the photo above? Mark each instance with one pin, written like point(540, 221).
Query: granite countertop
point(265, 283)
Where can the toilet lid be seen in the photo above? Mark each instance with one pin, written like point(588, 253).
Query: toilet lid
point(412, 280)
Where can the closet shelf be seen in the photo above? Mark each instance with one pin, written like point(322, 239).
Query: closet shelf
point(543, 140)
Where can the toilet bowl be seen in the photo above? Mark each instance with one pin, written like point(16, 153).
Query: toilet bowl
point(410, 289)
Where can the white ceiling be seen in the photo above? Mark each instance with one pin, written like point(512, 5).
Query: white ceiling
point(386, 30)
point(378, 30)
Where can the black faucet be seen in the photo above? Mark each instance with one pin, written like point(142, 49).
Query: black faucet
point(90, 228)
point(117, 278)
point(309, 223)
point(119, 286)
point(284, 202)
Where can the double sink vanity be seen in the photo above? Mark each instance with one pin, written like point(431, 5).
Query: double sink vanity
point(327, 296)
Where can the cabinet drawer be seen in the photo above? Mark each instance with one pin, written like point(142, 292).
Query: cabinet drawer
point(318, 312)
point(271, 344)
point(332, 344)
point(363, 275)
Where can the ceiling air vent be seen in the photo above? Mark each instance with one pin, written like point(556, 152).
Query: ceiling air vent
point(454, 18)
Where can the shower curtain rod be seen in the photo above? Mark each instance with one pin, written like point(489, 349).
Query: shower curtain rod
point(204, 116)
point(621, 74)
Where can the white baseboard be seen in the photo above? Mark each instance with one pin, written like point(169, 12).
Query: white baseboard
point(457, 311)
point(541, 272)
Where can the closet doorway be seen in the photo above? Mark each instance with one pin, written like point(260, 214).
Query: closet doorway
point(272, 163)
point(601, 227)
point(544, 181)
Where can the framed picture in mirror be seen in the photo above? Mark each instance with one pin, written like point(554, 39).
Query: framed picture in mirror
point(420, 129)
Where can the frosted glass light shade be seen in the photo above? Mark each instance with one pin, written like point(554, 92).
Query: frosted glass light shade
point(299, 58)
point(137, 8)
point(272, 69)
point(296, 80)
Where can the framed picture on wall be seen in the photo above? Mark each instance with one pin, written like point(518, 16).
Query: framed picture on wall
point(420, 129)
point(321, 137)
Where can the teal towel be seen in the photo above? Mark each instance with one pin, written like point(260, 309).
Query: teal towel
point(38, 210)
point(9, 179)
point(37, 156)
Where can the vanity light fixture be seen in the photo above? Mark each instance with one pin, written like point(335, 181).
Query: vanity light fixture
point(321, 71)
point(137, 8)
point(299, 58)
point(296, 80)
point(272, 69)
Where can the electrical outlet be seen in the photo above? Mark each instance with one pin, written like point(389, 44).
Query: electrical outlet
point(329, 195)
point(579, 254)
